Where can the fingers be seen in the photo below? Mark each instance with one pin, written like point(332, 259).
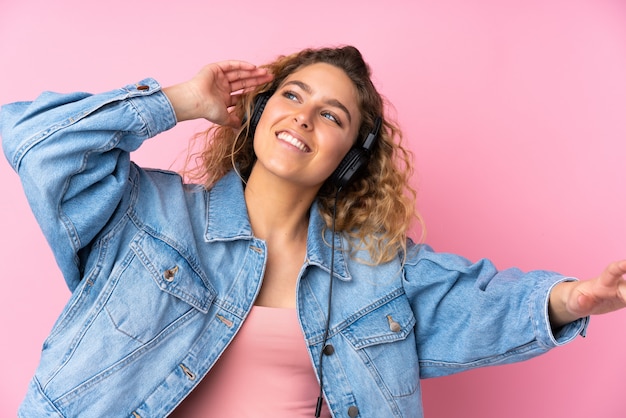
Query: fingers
point(239, 70)
point(613, 273)
point(248, 84)
point(235, 65)
point(218, 87)
point(243, 75)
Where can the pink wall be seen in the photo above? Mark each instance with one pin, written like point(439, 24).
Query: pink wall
point(516, 112)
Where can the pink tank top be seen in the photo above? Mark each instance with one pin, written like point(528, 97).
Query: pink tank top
point(265, 372)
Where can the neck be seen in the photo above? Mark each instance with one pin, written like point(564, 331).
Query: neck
point(277, 208)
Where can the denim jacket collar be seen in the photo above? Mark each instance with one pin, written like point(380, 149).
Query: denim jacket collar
point(234, 223)
point(226, 212)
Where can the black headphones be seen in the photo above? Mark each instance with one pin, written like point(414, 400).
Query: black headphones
point(352, 164)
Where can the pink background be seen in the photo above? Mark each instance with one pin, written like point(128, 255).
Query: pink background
point(516, 112)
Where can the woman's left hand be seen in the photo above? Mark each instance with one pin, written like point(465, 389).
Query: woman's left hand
point(572, 300)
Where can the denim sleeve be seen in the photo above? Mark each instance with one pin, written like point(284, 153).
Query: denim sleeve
point(471, 315)
point(71, 152)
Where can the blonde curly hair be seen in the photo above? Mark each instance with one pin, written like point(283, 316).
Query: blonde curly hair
point(377, 210)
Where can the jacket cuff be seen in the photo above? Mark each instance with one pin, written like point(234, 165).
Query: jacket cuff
point(541, 318)
point(152, 105)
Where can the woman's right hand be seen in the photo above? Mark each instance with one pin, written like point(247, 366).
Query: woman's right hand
point(212, 92)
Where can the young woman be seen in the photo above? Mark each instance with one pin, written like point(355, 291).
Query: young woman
point(285, 269)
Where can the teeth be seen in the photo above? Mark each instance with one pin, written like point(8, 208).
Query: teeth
point(284, 136)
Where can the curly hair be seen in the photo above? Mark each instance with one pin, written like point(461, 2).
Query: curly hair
point(376, 210)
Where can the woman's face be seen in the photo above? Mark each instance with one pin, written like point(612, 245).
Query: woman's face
point(308, 125)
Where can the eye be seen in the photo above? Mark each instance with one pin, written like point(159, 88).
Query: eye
point(332, 117)
point(290, 95)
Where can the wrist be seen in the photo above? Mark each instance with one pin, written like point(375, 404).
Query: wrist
point(559, 304)
point(183, 102)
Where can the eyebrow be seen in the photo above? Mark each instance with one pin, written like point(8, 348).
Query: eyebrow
point(332, 102)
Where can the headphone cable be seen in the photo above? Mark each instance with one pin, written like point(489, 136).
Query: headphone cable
point(320, 398)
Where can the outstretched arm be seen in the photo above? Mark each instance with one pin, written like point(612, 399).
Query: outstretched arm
point(572, 300)
point(214, 90)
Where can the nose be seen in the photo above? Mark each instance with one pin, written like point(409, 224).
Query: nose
point(303, 117)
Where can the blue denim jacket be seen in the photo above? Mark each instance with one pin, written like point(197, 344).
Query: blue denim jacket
point(164, 273)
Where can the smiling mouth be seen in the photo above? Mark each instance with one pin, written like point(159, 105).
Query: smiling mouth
point(286, 137)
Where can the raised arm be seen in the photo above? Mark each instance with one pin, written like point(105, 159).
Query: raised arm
point(72, 151)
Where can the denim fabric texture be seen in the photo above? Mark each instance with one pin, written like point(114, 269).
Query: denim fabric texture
point(163, 274)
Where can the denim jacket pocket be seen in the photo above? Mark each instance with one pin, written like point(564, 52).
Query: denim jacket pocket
point(384, 338)
point(159, 286)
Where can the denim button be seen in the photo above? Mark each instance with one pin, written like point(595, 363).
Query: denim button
point(190, 375)
point(256, 249)
point(393, 325)
point(169, 274)
point(143, 87)
point(353, 411)
point(329, 350)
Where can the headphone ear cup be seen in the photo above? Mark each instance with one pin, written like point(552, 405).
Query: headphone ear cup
point(259, 106)
point(356, 160)
point(350, 167)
